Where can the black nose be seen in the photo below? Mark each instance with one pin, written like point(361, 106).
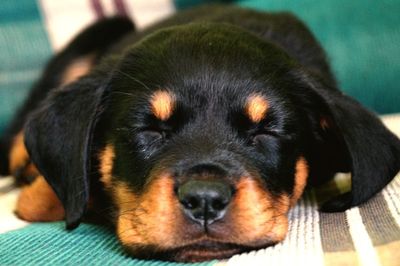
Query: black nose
point(204, 201)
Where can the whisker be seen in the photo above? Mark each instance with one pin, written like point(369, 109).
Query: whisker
point(133, 78)
point(123, 93)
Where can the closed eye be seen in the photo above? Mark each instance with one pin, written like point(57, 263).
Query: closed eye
point(263, 135)
point(149, 140)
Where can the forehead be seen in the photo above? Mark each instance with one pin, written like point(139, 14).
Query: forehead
point(203, 54)
point(204, 69)
point(220, 94)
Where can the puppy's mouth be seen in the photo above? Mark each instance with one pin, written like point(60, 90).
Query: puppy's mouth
point(198, 251)
point(206, 250)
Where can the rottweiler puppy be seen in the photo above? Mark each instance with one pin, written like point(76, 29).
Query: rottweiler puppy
point(195, 136)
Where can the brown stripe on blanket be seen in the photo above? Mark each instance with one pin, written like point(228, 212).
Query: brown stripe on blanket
point(335, 234)
point(378, 221)
point(336, 239)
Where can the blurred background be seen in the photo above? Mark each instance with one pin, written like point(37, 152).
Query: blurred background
point(361, 37)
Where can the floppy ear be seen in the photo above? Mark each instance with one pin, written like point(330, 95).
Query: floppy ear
point(58, 137)
point(374, 151)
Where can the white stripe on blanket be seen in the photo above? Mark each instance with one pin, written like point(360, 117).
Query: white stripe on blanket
point(64, 19)
point(8, 199)
point(362, 242)
point(146, 12)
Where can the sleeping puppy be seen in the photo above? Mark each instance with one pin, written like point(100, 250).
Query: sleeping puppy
point(194, 137)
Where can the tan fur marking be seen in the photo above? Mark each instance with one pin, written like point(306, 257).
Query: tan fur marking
point(300, 180)
point(256, 107)
point(126, 201)
point(18, 153)
point(163, 212)
point(279, 231)
point(324, 123)
point(78, 68)
point(256, 214)
point(149, 218)
point(106, 165)
point(162, 104)
point(37, 202)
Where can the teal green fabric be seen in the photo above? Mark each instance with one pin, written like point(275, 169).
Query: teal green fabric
point(24, 48)
point(361, 37)
point(51, 244)
point(183, 4)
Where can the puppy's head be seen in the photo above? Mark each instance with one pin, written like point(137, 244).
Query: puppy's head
point(205, 136)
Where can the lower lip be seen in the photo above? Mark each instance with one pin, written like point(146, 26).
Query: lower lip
point(206, 251)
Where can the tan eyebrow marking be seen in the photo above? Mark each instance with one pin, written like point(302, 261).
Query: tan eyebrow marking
point(162, 104)
point(256, 107)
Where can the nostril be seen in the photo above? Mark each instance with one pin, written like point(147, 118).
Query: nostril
point(219, 204)
point(191, 203)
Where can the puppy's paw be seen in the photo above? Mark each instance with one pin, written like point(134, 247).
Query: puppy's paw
point(19, 163)
point(37, 202)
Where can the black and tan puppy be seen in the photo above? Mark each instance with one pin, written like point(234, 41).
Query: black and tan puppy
point(201, 132)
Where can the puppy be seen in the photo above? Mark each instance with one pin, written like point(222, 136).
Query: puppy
point(196, 136)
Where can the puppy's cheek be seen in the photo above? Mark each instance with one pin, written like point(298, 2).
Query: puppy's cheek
point(300, 180)
point(37, 202)
point(280, 229)
point(258, 217)
point(126, 202)
point(252, 211)
point(158, 211)
point(149, 219)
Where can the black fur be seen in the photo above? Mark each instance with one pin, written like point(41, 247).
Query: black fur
point(211, 65)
